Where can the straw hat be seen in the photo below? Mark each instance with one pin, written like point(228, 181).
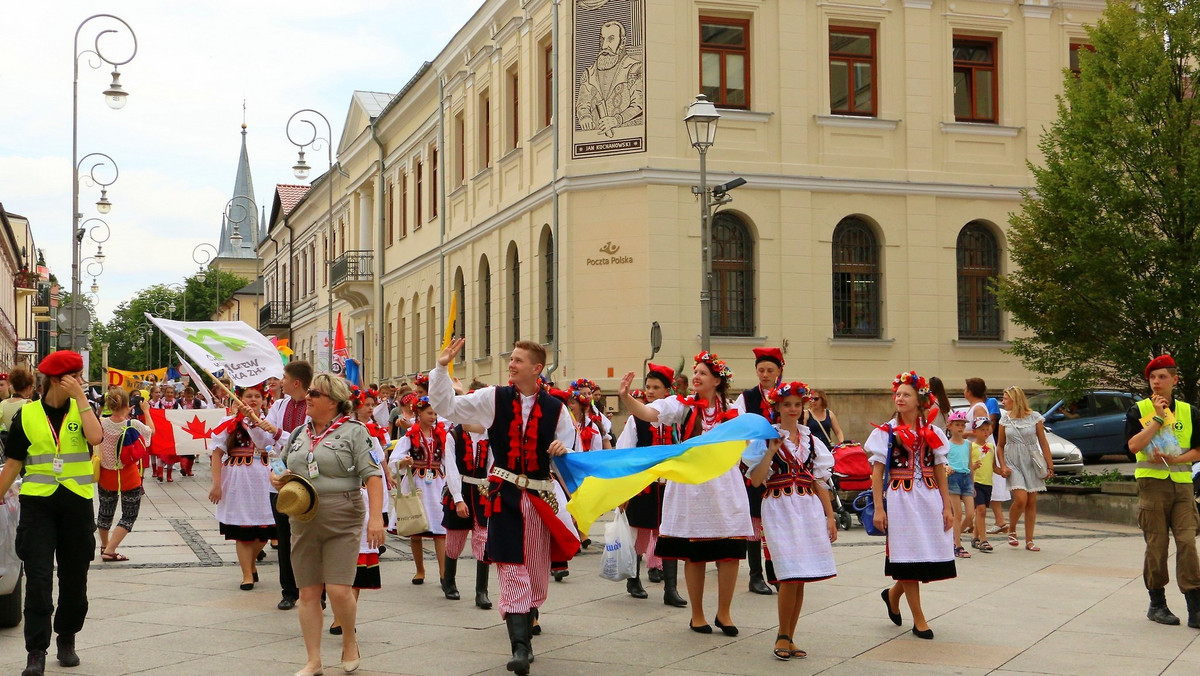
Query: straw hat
point(297, 498)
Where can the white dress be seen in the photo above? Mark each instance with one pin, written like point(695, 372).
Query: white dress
point(796, 538)
point(430, 475)
point(918, 548)
point(245, 505)
point(1020, 444)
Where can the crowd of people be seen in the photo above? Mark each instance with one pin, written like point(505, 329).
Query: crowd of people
point(325, 469)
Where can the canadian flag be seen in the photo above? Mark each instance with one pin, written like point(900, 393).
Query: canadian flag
point(183, 431)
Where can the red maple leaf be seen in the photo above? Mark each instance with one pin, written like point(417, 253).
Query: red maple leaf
point(198, 429)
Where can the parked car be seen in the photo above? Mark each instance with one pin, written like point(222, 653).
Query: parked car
point(11, 568)
point(1068, 458)
point(1094, 422)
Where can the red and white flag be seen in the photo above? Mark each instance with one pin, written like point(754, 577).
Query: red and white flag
point(184, 431)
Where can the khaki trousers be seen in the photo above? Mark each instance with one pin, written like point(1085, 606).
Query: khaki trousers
point(1166, 508)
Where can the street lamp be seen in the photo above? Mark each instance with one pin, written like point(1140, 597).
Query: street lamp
point(115, 97)
point(202, 255)
point(301, 171)
point(701, 122)
point(244, 212)
point(181, 289)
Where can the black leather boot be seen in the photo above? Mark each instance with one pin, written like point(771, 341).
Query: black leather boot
point(66, 651)
point(654, 575)
point(671, 595)
point(518, 636)
point(758, 585)
point(449, 587)
point(634, 584)
point(1193, 606)
point(35, 665)
point(481, 586)
point(1159, 612)
point(535, 629)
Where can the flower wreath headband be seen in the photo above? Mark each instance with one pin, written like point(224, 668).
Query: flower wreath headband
point(359, 395)
point(914, 381)
point(421, 403)
point(718, 367)
point(792, 389)
point(582, 383)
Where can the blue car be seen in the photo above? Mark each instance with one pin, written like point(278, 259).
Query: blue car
point(1095, 422)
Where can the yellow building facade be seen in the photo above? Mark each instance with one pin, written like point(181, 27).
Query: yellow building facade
point(539, 169)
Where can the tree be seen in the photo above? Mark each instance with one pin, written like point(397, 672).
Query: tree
point(1107, 247)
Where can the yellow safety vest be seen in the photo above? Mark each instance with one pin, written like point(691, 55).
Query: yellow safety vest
point(1181, 473)
point(72, 449)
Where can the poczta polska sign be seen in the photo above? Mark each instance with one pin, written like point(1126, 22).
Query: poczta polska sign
point(611, 257)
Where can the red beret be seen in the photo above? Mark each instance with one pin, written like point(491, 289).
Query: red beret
point(665, 371)
point(1163, 361)
point(61, 363)
point(769, 354)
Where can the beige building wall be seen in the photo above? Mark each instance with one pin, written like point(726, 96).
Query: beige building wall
point(912, 172)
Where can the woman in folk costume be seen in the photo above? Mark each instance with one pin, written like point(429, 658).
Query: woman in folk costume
point(916, 516)
point(644, 510)
point(241, 481)
point(464, 508)
point(797, 516)
point(708, 522)
point(424, 449)
point(768, 366)
point(575, 403)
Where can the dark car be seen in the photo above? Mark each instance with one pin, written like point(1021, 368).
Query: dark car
point(1094, 422)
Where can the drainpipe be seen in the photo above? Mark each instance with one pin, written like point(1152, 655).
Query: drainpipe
point(382, 221)
point(441, 194)
point(554, 75)
point(287, 283)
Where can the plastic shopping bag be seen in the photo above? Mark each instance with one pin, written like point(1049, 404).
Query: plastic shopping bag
point(10, 514)
point(620, 560)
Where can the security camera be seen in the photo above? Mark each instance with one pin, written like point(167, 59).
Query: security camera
point(720, 190)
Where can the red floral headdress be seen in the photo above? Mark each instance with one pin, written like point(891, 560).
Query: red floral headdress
point(640, 395)
point(792, 389)
point(914, 381)
point(359, 395)
point(581, 383)
point(718, 367)
point(582, 399)
point(422, 380)
point(421, 403)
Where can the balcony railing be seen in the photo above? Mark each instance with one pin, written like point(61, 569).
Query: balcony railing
point(352, 266)
point(275, 314)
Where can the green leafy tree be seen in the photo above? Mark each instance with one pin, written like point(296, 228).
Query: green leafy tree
point(1107, 246)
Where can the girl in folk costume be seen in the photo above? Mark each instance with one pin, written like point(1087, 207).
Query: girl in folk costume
point(797, 516)
point(241, 482)
point(364, 402)
point(575, 403)
point(464, 508)
point(768, 366)
point(591, 435)
point(589, 389)
point(424, 448)
point(644, 510)
point(916, 516)
point(703, 523)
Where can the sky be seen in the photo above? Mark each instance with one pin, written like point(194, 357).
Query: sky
point(177, 140)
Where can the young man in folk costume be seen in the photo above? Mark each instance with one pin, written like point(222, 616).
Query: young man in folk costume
point(526, 427)
point(1161, 431)
point(644, 510)
point(465, 508)
point(768, 365)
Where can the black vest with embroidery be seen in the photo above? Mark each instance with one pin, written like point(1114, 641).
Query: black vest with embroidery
point(498, 433)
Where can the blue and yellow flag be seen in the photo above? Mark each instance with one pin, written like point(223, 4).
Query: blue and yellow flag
point(600, 480)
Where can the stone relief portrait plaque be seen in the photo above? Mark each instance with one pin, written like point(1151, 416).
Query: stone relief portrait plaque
point(610, 78)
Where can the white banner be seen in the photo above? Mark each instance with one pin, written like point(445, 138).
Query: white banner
point(244, 354)
point(323, 348)
point(186, 369)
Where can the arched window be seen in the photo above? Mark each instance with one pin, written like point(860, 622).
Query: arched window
point(401, 334)
point(485, 307)
point(732, 252)
point(460, 311)
point(547, 278)
point(432, 342)
point(857, 278)
point(514, 293)
point(978, 263)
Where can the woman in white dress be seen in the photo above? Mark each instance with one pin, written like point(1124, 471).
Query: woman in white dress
point(916, 515)
point(1023, 456)
point(701, 523)
point(241, 483)
point(797, 516)
point(425, 448)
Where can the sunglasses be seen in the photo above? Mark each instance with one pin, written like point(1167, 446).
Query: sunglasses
point(314, 393)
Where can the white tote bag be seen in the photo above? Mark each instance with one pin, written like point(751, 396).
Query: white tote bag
point(620, 560)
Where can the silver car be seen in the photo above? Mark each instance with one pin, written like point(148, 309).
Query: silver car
point(1068, 459)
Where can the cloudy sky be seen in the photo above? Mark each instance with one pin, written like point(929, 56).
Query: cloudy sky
point(177, 140)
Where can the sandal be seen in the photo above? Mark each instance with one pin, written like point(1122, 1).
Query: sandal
point(961, 553)
point(1032, 547)
point(783, 654)
point(105, 556)
point(796, 652)
point(985, 546)
point(975, 543)
point(1013, 541)
point(996, 530)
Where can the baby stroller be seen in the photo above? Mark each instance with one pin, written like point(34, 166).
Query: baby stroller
point(852, 475)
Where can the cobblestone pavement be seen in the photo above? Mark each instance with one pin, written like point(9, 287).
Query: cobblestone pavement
point(1076, 607)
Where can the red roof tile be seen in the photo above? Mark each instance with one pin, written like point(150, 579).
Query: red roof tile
point(290, 196)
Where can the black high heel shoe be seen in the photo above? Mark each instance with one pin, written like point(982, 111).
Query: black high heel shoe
point(727, 629)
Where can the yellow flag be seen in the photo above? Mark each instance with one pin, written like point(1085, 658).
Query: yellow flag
point(450, 329)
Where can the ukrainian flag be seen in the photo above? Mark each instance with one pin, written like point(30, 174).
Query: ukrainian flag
point(601, 480)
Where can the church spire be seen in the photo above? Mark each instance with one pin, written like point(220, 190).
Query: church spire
point(243, 213)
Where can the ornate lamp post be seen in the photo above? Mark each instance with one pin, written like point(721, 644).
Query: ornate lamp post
point(202, 255)
point(302, 170)
point(701, 122)
point(115, 97)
